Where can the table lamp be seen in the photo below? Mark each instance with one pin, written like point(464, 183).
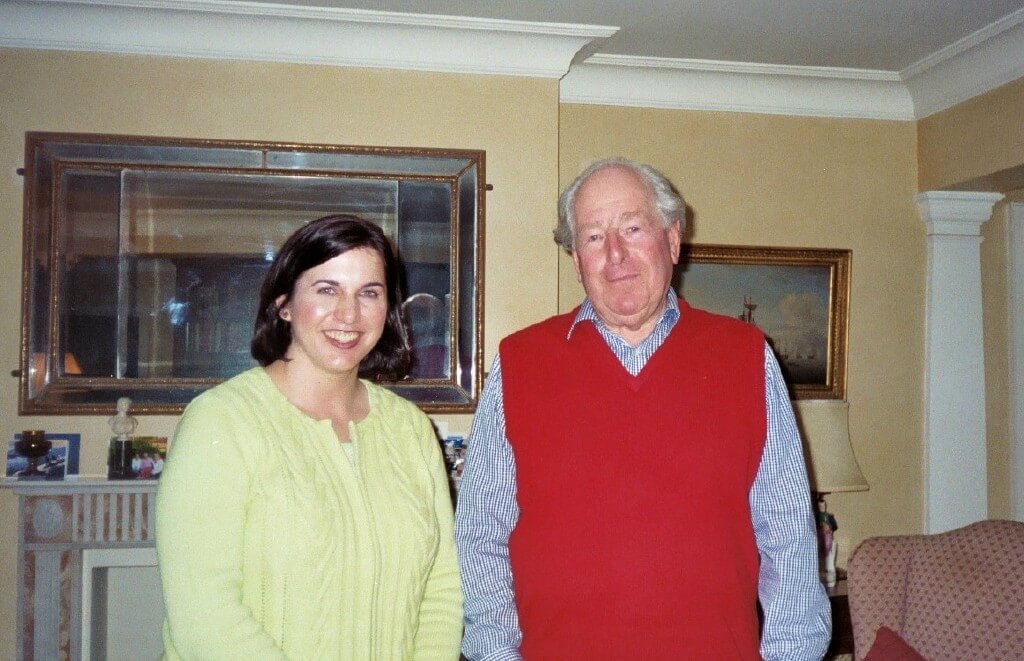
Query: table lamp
point(832, 467)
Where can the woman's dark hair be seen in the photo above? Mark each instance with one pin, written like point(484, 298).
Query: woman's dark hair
point(312, 245)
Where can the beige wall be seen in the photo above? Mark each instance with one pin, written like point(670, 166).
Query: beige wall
point(973, 140)
point(514, 119)
point(785, 181)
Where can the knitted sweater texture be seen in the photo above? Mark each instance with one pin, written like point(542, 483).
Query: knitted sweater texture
point(273, 544)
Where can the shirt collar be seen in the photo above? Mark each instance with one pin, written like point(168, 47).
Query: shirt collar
point(587, 313)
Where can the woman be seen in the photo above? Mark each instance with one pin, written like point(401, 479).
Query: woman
point(304, 512)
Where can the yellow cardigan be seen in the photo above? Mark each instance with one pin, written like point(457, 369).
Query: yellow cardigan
point(273, 545)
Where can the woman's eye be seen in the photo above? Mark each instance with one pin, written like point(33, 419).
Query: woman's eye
point(325, 290)
point(371, 293)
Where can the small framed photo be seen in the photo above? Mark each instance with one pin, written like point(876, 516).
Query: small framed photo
point(59, 462)
point(148, 455)
point(454, 459)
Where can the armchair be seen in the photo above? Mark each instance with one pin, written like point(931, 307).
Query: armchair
point(954, 595)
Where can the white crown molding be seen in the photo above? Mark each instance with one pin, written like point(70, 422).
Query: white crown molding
point(242, 30)
point(978, 63)
point(738, 87)
point(225, 29)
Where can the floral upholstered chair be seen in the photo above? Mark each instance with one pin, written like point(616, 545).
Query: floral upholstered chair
point(954, 595)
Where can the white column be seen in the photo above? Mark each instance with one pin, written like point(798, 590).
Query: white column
point(955, 468)
point(1015, 241)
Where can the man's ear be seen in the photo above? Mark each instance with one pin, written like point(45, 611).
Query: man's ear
point(576, 265)
point(675, 238)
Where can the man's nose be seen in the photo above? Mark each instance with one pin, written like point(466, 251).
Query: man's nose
point(616, 248)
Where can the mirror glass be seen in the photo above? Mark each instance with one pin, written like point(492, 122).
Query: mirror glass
point(144, 259)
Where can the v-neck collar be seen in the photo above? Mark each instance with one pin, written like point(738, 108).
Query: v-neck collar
point(625, 355)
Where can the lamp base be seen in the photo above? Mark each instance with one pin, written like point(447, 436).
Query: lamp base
point(826, 543)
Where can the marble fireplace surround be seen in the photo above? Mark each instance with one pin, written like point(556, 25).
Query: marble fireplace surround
point(62, 527)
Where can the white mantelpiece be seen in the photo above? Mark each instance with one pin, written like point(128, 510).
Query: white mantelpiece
point(955, 460)
point(57, 523)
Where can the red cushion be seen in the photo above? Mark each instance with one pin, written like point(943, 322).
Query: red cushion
point(890, 647)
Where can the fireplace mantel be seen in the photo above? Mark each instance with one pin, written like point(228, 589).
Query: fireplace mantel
point(57, 522)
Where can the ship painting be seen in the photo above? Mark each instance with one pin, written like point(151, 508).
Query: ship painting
point(796, 297)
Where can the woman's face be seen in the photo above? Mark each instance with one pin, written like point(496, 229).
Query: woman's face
point(337, 312)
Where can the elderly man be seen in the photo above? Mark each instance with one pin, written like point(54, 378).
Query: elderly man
point(635, 480)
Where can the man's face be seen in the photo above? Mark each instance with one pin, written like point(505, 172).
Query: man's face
point(622, 252)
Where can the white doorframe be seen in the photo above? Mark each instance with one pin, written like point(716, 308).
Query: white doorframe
point(1015, 267)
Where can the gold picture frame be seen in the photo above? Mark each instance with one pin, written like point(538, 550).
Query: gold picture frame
point(799, 298)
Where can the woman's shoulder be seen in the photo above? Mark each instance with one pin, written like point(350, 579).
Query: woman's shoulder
point(390, 405)
point(402, 417)
point(237, 411)
point(250, 390)
point(248, 385)
point(401, 421)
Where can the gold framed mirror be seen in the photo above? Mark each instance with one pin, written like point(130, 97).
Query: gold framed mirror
point(143, 258)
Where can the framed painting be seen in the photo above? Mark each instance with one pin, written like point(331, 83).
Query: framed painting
point(799, 298)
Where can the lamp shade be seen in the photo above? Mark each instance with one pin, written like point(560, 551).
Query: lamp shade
point(825, 427)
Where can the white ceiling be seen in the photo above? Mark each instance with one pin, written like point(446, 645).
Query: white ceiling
point(887, 35)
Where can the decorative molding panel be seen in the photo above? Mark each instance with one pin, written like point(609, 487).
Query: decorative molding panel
point(737, 87)
point(223, 29)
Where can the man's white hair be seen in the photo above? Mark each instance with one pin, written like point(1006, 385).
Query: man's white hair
point(667, 200)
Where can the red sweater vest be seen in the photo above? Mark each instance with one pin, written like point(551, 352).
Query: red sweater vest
point(634, 538)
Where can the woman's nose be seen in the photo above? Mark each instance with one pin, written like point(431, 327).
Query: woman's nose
point(347, 309)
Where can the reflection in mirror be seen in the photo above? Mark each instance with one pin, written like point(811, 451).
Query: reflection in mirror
point(160, 251)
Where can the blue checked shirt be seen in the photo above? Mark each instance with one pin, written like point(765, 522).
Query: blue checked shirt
point(797, 619)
